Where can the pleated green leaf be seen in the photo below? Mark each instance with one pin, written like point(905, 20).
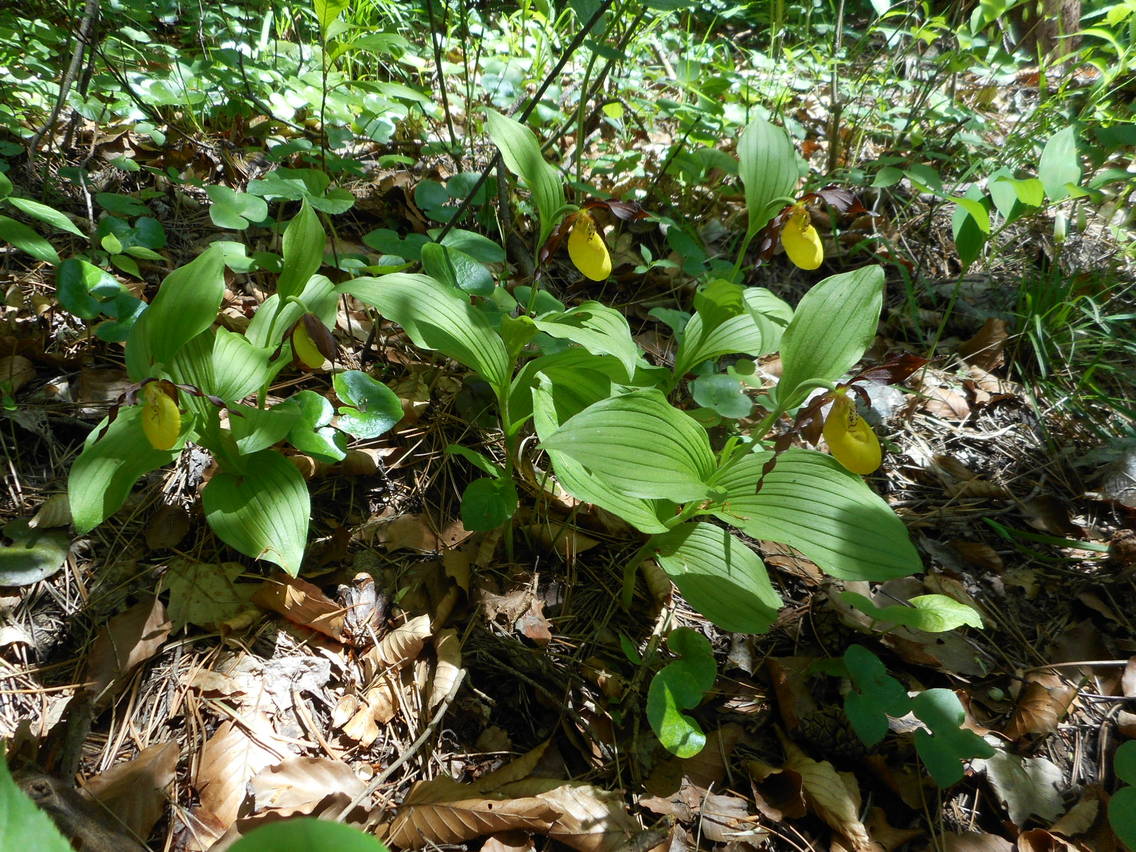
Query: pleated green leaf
point(599, 329)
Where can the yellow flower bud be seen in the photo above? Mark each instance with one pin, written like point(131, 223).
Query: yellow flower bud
point(305, 348)
point(161, 419)
point(801, 240)
point(587, 250)
point(850, 439)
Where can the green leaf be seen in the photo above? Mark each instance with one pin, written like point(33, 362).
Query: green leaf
point(931, 613)
point(326, 13)
point(235, 210)
point(125, 205)
point(25, 239)
point(487, 503)
point(767, 165)
point(305, 834)
point(574, 478)
point(948, 743)
point(876, 695)
point(1124, 764)
point(5, 186)
point(752, 326)
point(186, 305)
point(719, 576)
point(976, 210)
point(679, 686)
point(303, 252)
point(257, 429)
point(478, 247)
point(1060, 166)
point(808, 501)
point(311, 432)
point(372, 408)
point(84, 289)
point(202, 593)
point(639, 445)
point(106, 470)
point(273, 320)
point(33, 555)
point(48, 215)
point(478, 460)
point(262, 511)
point(599, 329)
point(22, 824)
point(521, 152)
point(457, 269)
point(724, 394)
point(833, 325)
point(969, 236)
point(435, 316)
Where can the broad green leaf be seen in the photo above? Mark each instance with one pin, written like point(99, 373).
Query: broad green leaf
point(5, 186)
point(976, 210)
point(22, 824)
point(723, 394)
point(833, 325)
point(221, 363)
point(262, 511)
point(522, 155)
point(1122, 805)
point(202, 593)
point(719, 576)
point(455, 268)
point(640, 445)
point(106, 470)
point(33, 555)
point(948, 743)
point(372, 408)
point(767, 165)
point(574, 478)
point(437, 317)
point(1124, 764)
point(599, 329)
point(303, 252)
point(808, 501)
point(25, 239)
point(326, 13)
point(84, 289)
point(257, 429)
point(48, 215)
point(305, 834)
point(876, 695)
point(478, 247)
point(312, 432)
point(751, 326)
point(968, 233)
point(931, 613)
point(235, 210)
point(681, 685)
point(478, 460)
point(487, 503)
point(1060, 166)
point(273, 320)
point(185, 306)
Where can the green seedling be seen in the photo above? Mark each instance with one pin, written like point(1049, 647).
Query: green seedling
point(681, 685)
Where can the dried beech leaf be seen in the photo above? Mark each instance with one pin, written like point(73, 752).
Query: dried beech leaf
point(301, 603)
point(128, 639)
point(135, 791)
point(448, 648)
point(1042, 704)
point(591, 820)
point(829, 796)
point(975, 841)
point(420, 823)
point(399, 647)
point(511, 772)
point(229, 758)
point(299, 785)
point(985, 349)
point(508, 841)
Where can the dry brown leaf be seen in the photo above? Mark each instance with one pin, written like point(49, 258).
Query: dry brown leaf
point(229, 758)
point(508, 841)
point(410, 532)
point(985, 349)
point(167, 527)
point(301, 603)
point(829, 795)
point(512, 771)
point(306, 786)
point(448, 648)
point(1040, 840)
point(15, 372)
point(424, 819)
point(1043, 702)
point(780, 793)
point(399, 647)
point(887, 836)
point(945, 404)
point(590, 819)
point(978, 555)
point(135, 791)
point(457, 567)
point(975, 841)
point(128, 640)
point(567, 541)
point(789, 679)
point(55, 512)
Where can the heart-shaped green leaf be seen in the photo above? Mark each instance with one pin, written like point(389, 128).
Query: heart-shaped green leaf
point(372, 408)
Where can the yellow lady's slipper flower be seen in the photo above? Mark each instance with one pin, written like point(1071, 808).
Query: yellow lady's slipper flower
point(305, 348)
point(586, 248)
point(850, 439)
point(801, 240)
point(161, 419)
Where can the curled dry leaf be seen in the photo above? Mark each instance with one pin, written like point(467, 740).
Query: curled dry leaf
point(1044, 700)
point(301, 603)
point(127, 640)
point(399, 647)
point(590, 819)
point(429, 815)
point(832, 797)
point(448, 648)
point(985, 349)
point(15, 372)
point(508, 841)
point(135, 791)
point(303, 786)
point(975, 841)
